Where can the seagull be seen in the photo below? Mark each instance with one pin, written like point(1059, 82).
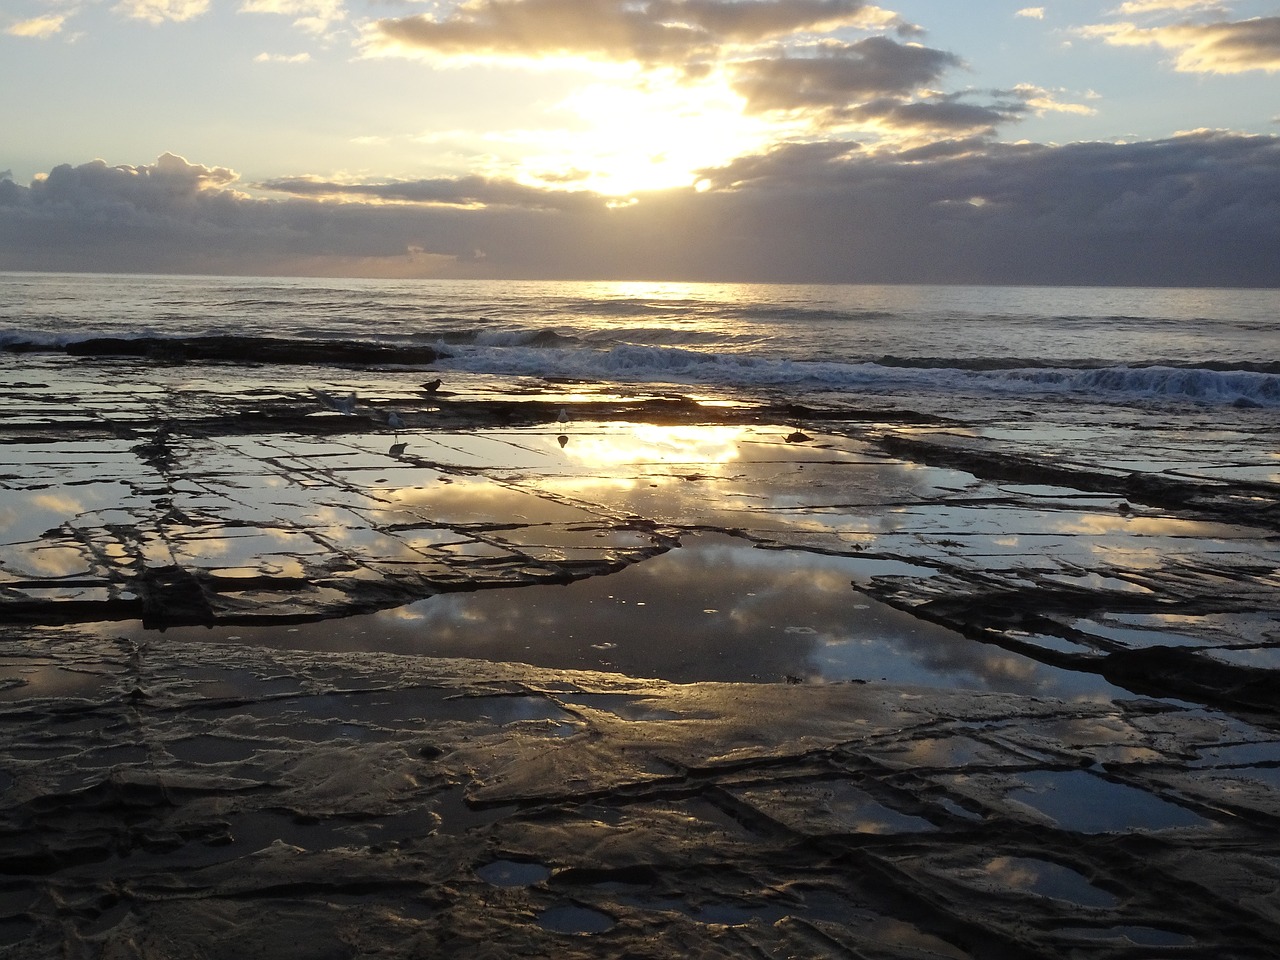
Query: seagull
point(344, 405)
point(395, 421)
point(564, 416)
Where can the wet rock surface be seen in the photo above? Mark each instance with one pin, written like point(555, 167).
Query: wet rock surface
point(1031, 707)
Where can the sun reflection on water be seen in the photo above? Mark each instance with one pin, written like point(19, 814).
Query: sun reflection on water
point(648, 443)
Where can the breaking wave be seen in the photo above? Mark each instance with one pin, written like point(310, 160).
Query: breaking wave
point(1106, 383)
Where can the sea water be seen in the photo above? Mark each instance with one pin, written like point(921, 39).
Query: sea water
point(1109, 345)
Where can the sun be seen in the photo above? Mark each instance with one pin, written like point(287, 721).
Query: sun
point(646, 133)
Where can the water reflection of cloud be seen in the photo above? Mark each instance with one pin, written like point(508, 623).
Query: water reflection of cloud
point(1103, 524)
point(24, 515)
point(42, 560)
point(714, 609)
point(476, 501)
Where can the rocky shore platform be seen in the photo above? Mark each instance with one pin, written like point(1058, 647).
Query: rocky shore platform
point(341, 662)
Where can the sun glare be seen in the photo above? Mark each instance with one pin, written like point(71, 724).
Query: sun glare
point(648, 135)
point(649, 443)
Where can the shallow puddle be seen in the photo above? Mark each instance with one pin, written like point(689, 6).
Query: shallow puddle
point(513, 873)
point(1079, 801)
point(1045, 879)
point(715, 608)
point(574, 920)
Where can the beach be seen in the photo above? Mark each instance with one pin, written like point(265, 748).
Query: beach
point(586, 666)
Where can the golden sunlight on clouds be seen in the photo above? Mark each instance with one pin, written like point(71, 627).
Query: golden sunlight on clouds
point(1133, 7)
point(1041, 100)
point(282, 58)
point(159, 11)
point(1204, 48)
point(671, 87)
point(313, 16)
point(40, 28)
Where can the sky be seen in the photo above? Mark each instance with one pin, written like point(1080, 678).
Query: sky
point(1135, 142)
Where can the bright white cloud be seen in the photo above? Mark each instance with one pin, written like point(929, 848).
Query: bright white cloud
point(282, 58)
point(1139, 7)
point(160, 11)
point(328, 9)
point(1032, 13)
point(41, 28)
point(314, 16)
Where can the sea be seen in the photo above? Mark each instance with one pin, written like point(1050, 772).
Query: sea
point(1122, 346)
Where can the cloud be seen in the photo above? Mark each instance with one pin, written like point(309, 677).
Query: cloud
point(470, 191)
point(169, 180)
point(760, 69)
point(40, 28)
point(651, 32)
point(314, 16)
point(1202, 208)
point(941, 116)
point(1139, 7)
point(839, 74)
point(282, 58)
point(1033, 13)
point(1042, 101)
point(1221, 47)
point(159, 11)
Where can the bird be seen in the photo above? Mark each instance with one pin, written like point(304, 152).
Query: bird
point(344, 405)
point(798, 437)
point(431, 386)
point(395, 421)
point(564, 416)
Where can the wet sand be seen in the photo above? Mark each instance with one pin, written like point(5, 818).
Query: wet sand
point(671, 676)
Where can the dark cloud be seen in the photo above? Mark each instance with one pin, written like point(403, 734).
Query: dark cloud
point(1195, 209)
point(647, 31)
point(839, 74)
point(944, 115)
point(471, 191)
point(169, 180)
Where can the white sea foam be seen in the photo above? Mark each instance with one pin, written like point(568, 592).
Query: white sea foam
point(632, 363)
